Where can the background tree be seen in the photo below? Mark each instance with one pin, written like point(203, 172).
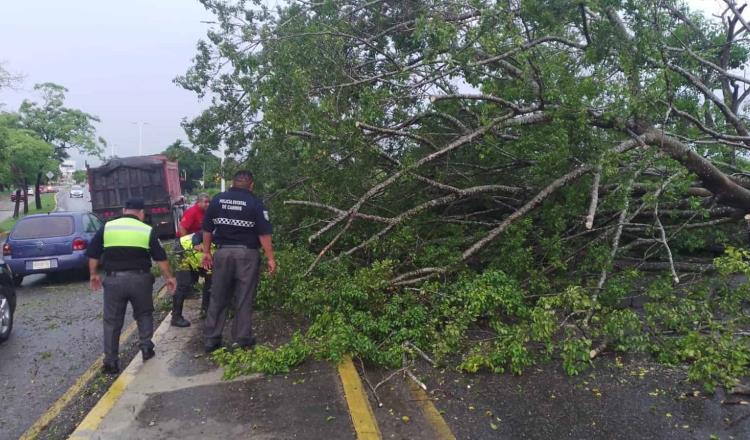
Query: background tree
point(79, 176)
point(24, 155)
point(515, 167)
point(8, 79)
point(62, 127)
point(193, 165)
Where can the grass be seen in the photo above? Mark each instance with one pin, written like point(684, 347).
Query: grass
point(48, 204)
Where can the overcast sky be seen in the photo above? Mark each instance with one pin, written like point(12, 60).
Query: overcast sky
point(118, 60)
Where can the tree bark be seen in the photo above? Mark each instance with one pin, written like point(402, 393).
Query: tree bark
point(37, 193)
point(727, 191)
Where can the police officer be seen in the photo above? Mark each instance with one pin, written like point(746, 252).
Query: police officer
point(238, 223)
point(189, 262)
point(126, 247)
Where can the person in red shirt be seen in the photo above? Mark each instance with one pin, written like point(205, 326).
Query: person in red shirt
point(191, 223)
point(192, 219)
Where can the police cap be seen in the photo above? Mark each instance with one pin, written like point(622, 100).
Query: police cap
point(135, 203)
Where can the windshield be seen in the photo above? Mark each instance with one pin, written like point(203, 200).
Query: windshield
point(76, 188)
point(42, 227)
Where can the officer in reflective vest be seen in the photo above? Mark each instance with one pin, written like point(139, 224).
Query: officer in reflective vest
point(189, 253)
point(126, 247)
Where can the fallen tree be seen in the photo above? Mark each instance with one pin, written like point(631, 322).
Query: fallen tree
point(509, 166)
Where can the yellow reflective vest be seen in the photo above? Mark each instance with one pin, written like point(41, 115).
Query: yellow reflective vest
point(127, 232)
point(190, 259)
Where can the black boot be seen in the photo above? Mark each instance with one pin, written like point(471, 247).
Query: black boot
point(147, 353)
point(177, 319)
point(111, 367)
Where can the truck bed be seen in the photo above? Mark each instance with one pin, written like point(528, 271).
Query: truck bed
point(119, 179)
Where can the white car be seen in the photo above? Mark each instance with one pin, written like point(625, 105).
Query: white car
point(76, 191)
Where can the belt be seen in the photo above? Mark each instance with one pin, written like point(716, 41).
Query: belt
point(114, 273)
point(237, 246)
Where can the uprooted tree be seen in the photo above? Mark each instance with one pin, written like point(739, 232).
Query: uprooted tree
point(508, 180)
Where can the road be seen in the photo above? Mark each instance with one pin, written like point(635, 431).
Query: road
point(56, 337)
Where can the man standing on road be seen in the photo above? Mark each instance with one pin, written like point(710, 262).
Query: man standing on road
point(238, 223)
point(191, 223)
point(126, 247)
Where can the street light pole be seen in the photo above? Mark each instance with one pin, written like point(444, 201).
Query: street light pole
point(140, 125)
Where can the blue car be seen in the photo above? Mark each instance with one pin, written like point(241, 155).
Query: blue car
point(46, 243)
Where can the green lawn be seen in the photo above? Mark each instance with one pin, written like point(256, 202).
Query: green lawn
point(48, 204)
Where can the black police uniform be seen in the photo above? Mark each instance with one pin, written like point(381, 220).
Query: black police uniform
point(236, 218)
point(127, 278)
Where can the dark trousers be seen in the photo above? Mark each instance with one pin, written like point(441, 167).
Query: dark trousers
point(235, 274)
point(119, 289)
point(186, 279)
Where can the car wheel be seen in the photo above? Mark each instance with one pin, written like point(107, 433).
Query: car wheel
point(6, 317)
point(17, 280)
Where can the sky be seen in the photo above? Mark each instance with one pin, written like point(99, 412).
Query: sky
point(118, 60)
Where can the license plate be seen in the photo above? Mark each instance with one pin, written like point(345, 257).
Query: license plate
point(41, 264)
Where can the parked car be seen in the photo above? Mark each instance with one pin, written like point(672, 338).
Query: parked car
point(30, 192)
point(13, 196)
point(48, 189)
point(7, 301)
point(76, 191)
point(45, 243)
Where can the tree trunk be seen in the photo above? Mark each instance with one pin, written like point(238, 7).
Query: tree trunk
point(17, 205)
point(37, 193)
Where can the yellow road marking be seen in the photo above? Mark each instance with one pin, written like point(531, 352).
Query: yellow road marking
point(431, 414)
point(363, 418)
point(105, 404)
point(44, 420)
point(53, 411)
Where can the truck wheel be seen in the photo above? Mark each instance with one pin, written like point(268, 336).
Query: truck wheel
point(6, 317)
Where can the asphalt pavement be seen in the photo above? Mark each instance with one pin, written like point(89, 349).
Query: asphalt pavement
point(56, 337)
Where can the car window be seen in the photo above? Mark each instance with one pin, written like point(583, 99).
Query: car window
point(75, 187)
point(97, 223)
point(42, 227)
point(90, 223)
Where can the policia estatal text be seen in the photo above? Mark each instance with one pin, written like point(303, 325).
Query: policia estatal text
point(126, 246)
point(238, 223)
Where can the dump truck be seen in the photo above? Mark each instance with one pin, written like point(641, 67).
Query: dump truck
point(154, 177)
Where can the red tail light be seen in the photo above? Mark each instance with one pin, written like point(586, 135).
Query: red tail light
point(159, 210)
point(108, 214)
point(6, 250)
point(79, 244)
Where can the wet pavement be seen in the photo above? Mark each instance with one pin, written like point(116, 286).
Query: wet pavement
point(56, 336)
point(180, 394)
point(618, 399)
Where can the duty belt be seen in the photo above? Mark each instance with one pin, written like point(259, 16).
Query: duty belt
point(114, 273)
point(239, 246)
